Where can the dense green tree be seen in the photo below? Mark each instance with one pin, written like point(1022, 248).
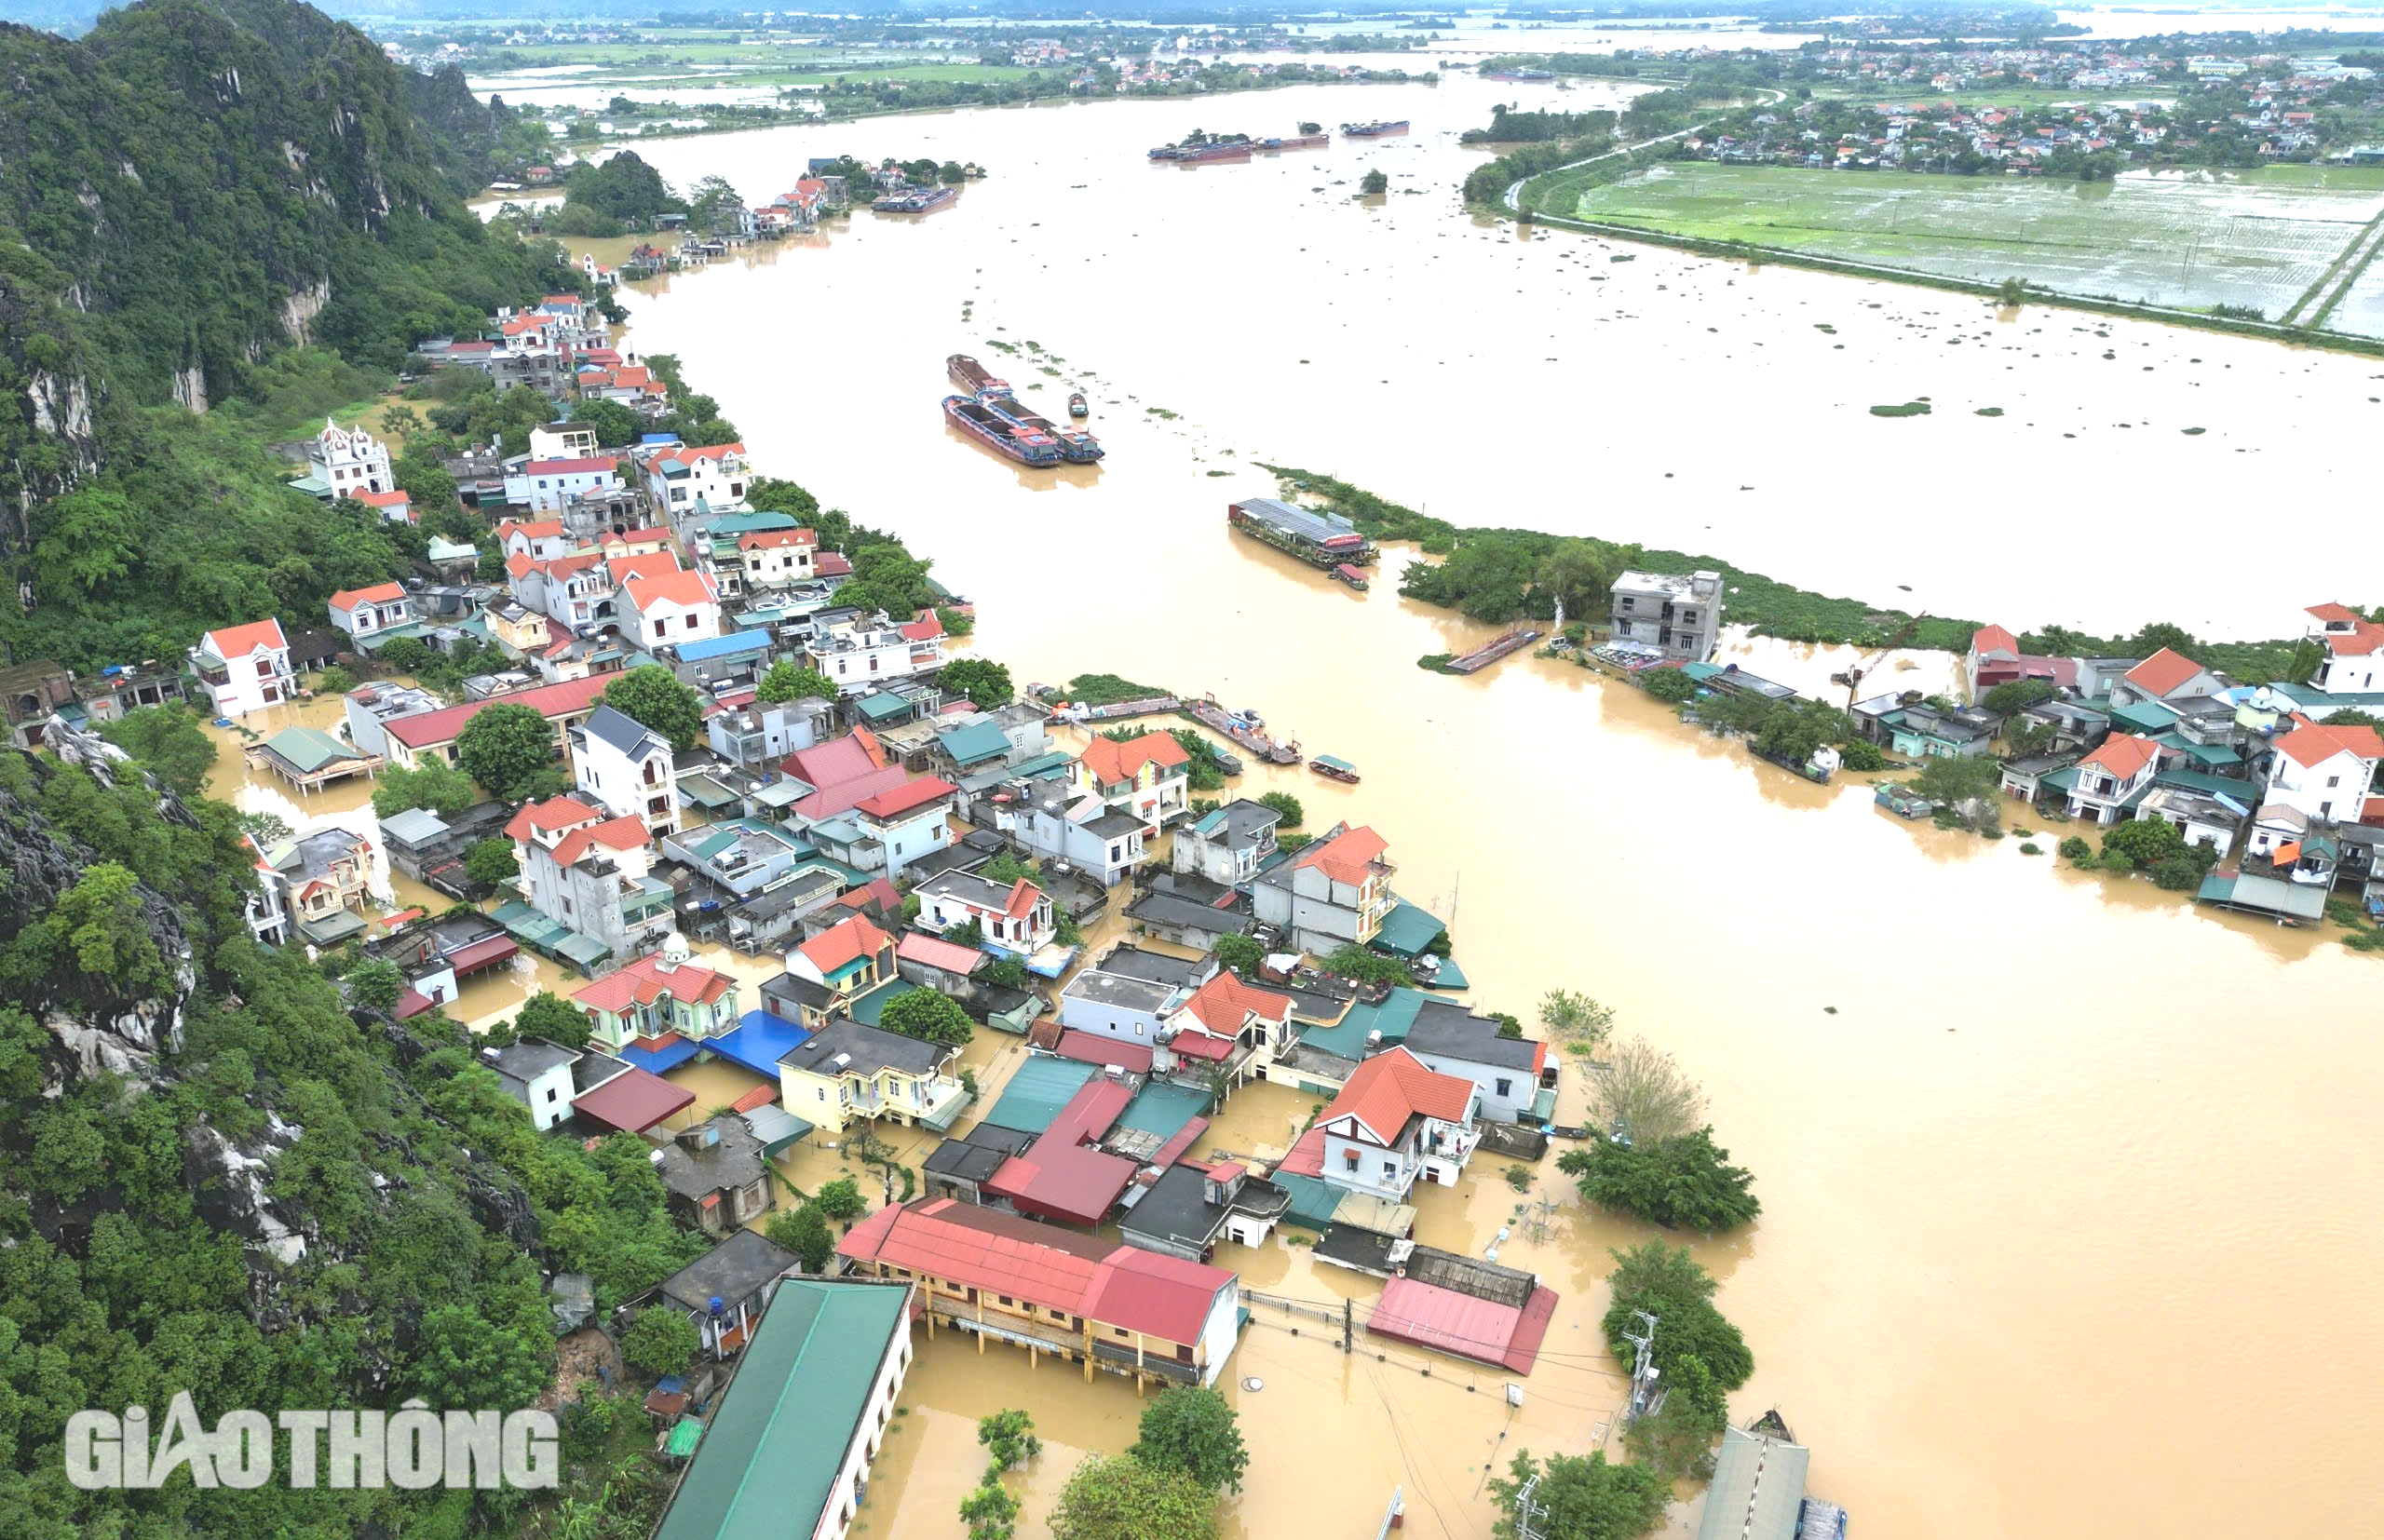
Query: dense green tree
point(653, 697)
point(375, 983)
point(168, 742)
point(990, 1512)
point(1241, 953)
point(773, 495)
point(623, 188)
point(840, 1199)
point(1117, 1497)
point(804, 1231)
point(1192, 1431)
point(1679, 1183)
point(549, 1015)
point(985, 682)
point(1668, 684)
point(433, 785)
point(1008, 1437)
point(1007, 867)
point(2017, 694)
point(615, 424)
point(1374, 183)
point(490, 862)
point(1363, 964)
point(1951, 779)
point(2160, 634)
point(888, 577)
point(463, 1360)
point(1580, 1499)
point(1668, 1283)
point(713, 205)
point(2144, 842)
point(787, 680)
point(507, 749)
point(1287, 808)
point(922, 1013)
point(661, 1341)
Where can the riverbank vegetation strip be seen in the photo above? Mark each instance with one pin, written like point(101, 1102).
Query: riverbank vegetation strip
point(1501, 574)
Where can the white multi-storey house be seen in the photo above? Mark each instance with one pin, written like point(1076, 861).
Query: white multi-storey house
point(349, 461)
point(245, 669)
point(626, 765)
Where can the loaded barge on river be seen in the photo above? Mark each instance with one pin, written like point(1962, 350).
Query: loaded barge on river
point(993, 396)
point(1372, 130)
point(1322, 540)
point(1246, 728)
point(1491, 651)
point(999, 434)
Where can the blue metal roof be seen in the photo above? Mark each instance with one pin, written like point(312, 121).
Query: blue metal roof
point(720, 646)
point(757, 1041)
point(659, 1061)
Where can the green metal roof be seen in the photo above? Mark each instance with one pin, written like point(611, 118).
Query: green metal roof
point(732, 525)
point(2143, 716)
point(974, 743)
point(310, 748)
point(865, 1008)
point(587, 951)
point(704, 792)
point(883, 706)
point(1757, 1491)
point(1312, 1200)
point(683, 1438)
point(769, 1464)
point(1037, 1091)
point(1346, 1037)
point(1407, 929)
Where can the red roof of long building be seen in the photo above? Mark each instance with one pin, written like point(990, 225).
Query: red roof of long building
point(1042, 1265)
point(633, 1101)
point(917, 946)
point(550, 701)
point(1061, 1175)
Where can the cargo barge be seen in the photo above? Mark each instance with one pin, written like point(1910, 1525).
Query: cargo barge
point(1296, 142)
point(971, 377)
point(1528, 75)
point(1491, 651)
point(1076, 444)
point(1322, 540)
point(1246, 728)
point(1374, 130)
point(1193, 155)
point(999, 434)
point(915, 203)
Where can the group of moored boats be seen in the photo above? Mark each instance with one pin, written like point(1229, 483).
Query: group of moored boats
point(917, 200)
point(1249, 730)
point(989, 412)
point(1241, 146)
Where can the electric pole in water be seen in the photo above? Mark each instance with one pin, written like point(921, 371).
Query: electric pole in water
point(1345, 1325)
point(1528, 1513)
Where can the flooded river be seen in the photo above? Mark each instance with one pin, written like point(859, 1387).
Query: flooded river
point(2068, 1189)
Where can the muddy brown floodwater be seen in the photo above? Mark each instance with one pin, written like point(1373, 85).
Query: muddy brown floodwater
point(2069, 1190)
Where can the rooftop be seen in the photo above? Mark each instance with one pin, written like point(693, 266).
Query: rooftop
point(845, 1047)
point(730, 1271)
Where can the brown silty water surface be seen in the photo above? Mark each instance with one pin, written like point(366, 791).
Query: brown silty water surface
point(2068, 1202)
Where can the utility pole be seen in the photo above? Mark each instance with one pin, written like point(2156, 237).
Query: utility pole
point(1646, 1396)
point(1345, 1313)
point(1527, 1513)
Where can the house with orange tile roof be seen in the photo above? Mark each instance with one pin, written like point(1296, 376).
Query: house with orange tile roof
point(826, 972)
point(2353, 661)
point(661, 995)
point(245, 669)
point(592, 873)
point(668, 606)
point(1149, 776)
point(2168, 676)
point(1228, 1025)
point(1335, 891)
point(1398, 1121)
point(365, 612)
point(539, 539)
point(2113, 778)
point(683, 478)
point(2324, 771)
point(395, 505)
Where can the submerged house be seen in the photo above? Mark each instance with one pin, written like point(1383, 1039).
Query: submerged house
point(1333, 892)
point(1396, 1122)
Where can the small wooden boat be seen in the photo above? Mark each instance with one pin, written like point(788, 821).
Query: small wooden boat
point(1350, 573)
point(1332, 769)
point(1078, 406)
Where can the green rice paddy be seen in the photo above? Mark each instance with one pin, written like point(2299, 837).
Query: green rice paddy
point(2257, 240)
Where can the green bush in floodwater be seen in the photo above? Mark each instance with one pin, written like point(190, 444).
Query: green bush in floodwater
point(1909, 409)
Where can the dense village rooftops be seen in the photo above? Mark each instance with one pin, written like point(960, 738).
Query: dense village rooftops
point(975, 1159)
point(845, 1047)
point(1061, 1176)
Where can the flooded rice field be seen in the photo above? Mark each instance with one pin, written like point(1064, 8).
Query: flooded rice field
point(2255, 240)
point(2051, 1162)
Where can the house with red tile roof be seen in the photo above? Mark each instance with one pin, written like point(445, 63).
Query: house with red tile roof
point(245, 669)
point(1335, 891)
point(1398, 1120)
point(1149, 776)
point(395, 505)
point(539, 539)
point(683, 478)
point(2168, 675)
point(2113, 778)
point(2352, 662)
point(433, 733)
point(896, 825)
point(2324, 771)
point(1155, 1319)
point(826, 972)
point(775, 558)
point(661, 995)
point(367, 612)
